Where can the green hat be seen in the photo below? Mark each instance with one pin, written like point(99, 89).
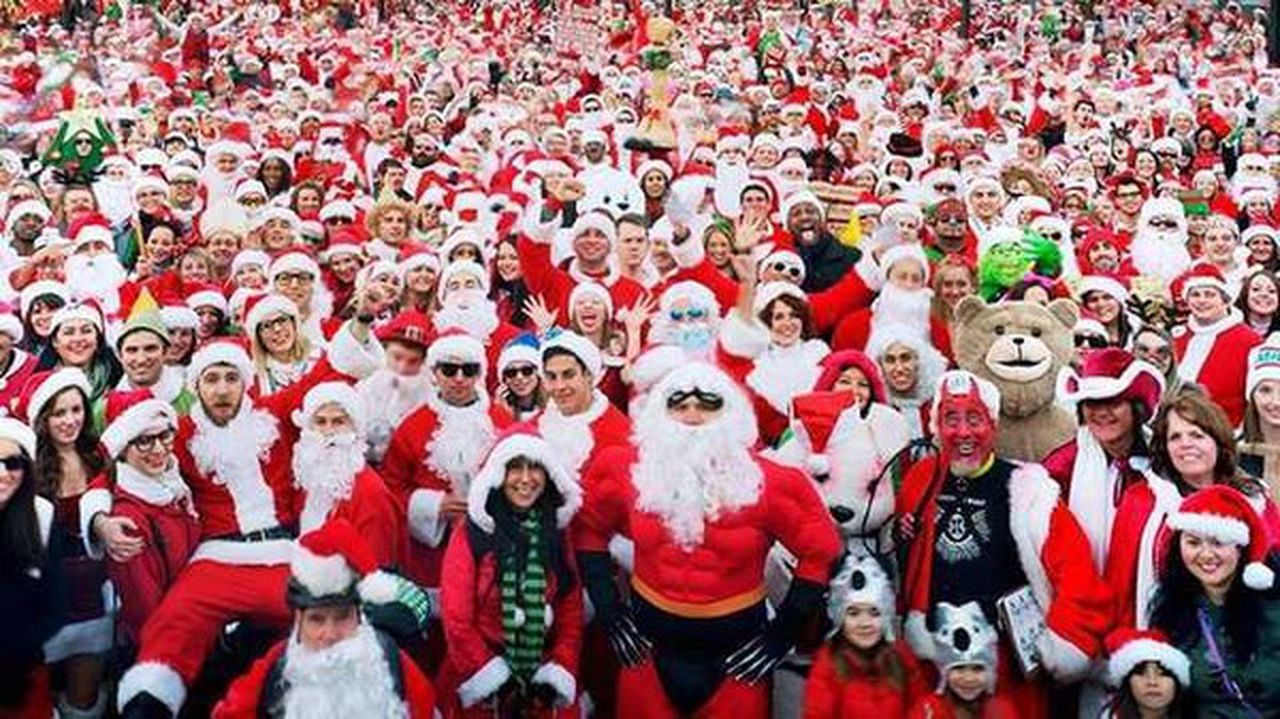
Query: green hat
point(148, 320)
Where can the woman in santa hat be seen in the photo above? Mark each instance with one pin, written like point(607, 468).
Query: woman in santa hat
point(1151, 677)
point(281, 354)
point(1260, 442)
point(419, 272)
point(1104, 297)
point(38, 302)
point(511, 600)
point(77, 340)
point(1218, 604)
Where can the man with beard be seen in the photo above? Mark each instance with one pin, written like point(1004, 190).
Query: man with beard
point(463, 290)
point(1159, 247)
point(905, 300)
point(438, 448)
point(24, 224)
point(333, 664)
point(1128, 194)
point(424, 152)
point(330, 469)
point(93, 268)
point(951, 233)
point(77, 202)
point(692, 492)
point(826, 260)
point(399, 386)
point(977, 528)
point(580, 421)
point(234, 452)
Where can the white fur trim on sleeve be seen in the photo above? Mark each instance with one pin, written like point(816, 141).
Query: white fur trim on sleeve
point(158, 680)
point(91, 503)
point(623, 551)
point(916, 632)
point(688, 253)
point(424, 516)
point(487, 680)
point(743, 338)
point(352, 358)
point(558, 678)
point(1061, 658)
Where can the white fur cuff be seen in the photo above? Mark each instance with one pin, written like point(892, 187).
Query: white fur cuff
point(742, 338)
point(558, 678)
point(484, 682)
point(1062, 659)
point(689, 253)
point(916, 632)
point(350, 357)
point(158, 680)
point(92, 502)
point(424, 516)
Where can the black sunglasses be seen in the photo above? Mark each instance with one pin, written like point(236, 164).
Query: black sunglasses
point(708, 401)
point(1163, 224)
point(513, 372)
point(16, 463)
point(451, 369)
point(791, 270)
point(1091, 341)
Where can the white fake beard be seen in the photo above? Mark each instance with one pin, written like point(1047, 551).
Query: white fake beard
point(570, 437)
point(896, 305)
point(388, 399)
point(470, 311)
point(462, 436)
point(98, 277)
point(115, 199)
point(1160, 254)
point(325, 469)
point(689, 476)
point(348, 679)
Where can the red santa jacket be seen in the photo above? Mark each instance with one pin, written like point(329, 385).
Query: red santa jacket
point(1217, 359)
point(864, 687)
point(555, 284)
point(471, 612)
point(725, 572)
point(1137, 536)
point(933, 706)
point(1053, 552)
point(374, 510)
point(606, 427)
point(169, 534)
point(409, 472)
point(241, 701)
point(21, 367)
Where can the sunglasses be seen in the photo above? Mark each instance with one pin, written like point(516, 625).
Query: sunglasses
point(790, 270)
point(338, 221)
point(15, 463)
point(693, 314)
point(1163, 224)
point(451, 369)
point(950, 220)
point(147, 442)
point(1091, 341)
point(1052, 236)
point(513, 372)
point(708, 401)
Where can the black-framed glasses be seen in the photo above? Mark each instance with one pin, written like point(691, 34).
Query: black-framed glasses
point(148, 442)
point(1128, 195)
point(451, 369)
point(275, 324)
point(707, 401)
point(14, 463)
point(513, 372)
point(338, 221)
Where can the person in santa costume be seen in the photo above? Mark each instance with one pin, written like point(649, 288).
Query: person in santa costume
point(978, 527)
point(692, 489)
point(400, 386)
point(592, 237)
point(16, 364)
point(579, 421)
point(511, 601)
point(438, 448)
point(334, 662)
point(1214, 350)
point(905, 299)
point(329, 467)
point(1150, 675)
point(233, 451)
point(463, 291)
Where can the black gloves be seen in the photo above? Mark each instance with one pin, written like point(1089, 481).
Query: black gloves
point(631, 646)
point(754, 660)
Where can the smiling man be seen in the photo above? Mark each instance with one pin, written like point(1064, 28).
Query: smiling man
point(1214, 352)
point(141, 347)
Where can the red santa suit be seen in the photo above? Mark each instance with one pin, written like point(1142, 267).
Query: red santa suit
point(1216, 357)
point(543, 277)
point(22, 365)
point(579, 439)
point(845, 683)
point(698, 572)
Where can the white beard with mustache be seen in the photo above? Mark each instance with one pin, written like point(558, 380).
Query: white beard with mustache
point(115, 198)
point(98, 277)
point(388, 399)
point(689, 476)
point(462, 438)
point(900, 306)
point(1160, 254)
point(570, 436)
point(348, 679)
point(325, 469)
point(469, 310)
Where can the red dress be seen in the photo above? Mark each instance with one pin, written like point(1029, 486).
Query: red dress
point(845, 684)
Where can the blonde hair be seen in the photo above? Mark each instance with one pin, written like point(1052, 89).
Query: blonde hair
point(373, 220)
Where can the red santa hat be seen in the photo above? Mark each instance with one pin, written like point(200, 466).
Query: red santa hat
point(1202, 274)
point(1113, 373)
point(42, 288)
point(229, 352)
point(1129, 648)
point(87, 311)
point(250, 258)
point(179, 317)
point(455, 345)
point(293, 262)
point(343, 243)
point(459, 237)
point(18, 433)
point(1102, 283)
point(409, 327)
point(771, 291)
point(596, 221)
point(588, 288)
point(40, 389)
point(801, 197)
point(522, 442)
point(835, 365)
point(580, 347)
point(817, 414)
point(1264, 363)
point(208, 297)
point(333, 565)
point(337, 209)
point(907, 251)
point(132, 413)
point(325, 393)
point(1224, 514)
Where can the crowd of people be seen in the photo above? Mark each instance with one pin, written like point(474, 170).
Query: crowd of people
point(522, 359)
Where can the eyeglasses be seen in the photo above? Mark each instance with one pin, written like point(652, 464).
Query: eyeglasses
point(693, 314)
point(274, 325)
point(294, 278)
point(708, 401)
point(147, 442)
point(950, 220)
point(513, 372)
point(1052, 236)
point(1091, 341)
point(15, 463)
point(1128, 195)
point(451, 369)
point(338, 221)
point(790, 270)
point(944, 187)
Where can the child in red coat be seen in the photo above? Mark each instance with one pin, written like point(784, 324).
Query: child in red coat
point(964, 648)
point(862, 671)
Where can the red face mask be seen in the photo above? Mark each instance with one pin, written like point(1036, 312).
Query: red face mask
point(966, 430)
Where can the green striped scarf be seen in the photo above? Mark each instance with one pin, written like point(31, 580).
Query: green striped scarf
point(524, 616)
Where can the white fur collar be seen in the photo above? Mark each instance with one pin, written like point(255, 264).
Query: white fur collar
point(611, 275)
point(158, 491)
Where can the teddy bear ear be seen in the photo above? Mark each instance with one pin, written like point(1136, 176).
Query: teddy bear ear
point(1065, 311)
point(968, 308)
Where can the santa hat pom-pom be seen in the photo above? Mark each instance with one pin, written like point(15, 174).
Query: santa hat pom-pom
point(1258, 576)
point(378, 588)
point(819, 465)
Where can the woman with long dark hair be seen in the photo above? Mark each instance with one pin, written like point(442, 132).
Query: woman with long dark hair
point(32, 591)
point(1218, 603)
point(511, 600)
point(1150, 676)
point(507, 287)
point(38, 302)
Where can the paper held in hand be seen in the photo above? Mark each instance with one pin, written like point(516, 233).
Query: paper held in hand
point(1022, 620)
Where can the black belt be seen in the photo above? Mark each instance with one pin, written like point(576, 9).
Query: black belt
point(260, 535)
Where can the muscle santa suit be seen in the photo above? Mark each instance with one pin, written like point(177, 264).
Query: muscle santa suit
point(242, 486)
point(697, 575)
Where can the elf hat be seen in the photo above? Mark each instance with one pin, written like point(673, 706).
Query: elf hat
point(1222, 513)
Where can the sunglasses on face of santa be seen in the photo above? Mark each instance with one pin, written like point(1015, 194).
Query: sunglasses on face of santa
point(451, 369)
point(1163, 224)
point(693, 314)
point(707, 401)
point(789, 270)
